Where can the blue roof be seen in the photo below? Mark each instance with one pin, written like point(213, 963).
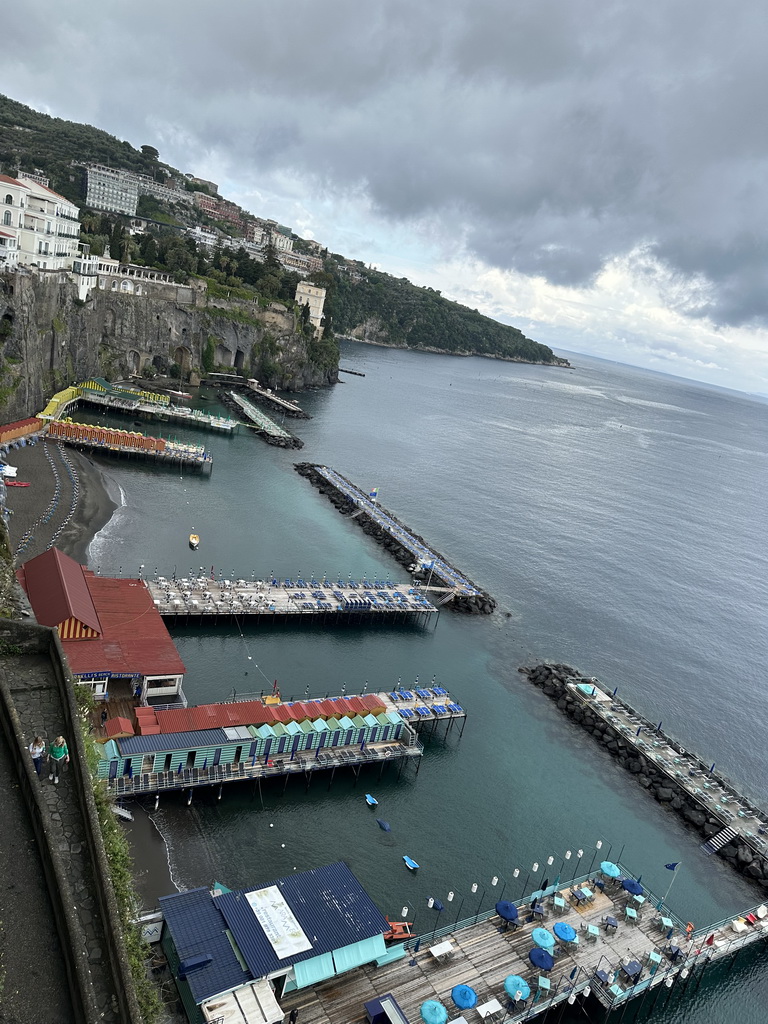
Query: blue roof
point(174, 741)
point(198, 929)
point(329, 903)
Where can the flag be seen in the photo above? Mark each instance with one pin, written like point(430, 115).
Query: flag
point(710, 940)
point(671, 867)
point(374, 493)
point(205, 764)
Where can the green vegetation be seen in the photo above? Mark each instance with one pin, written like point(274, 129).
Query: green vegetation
point(422, 318)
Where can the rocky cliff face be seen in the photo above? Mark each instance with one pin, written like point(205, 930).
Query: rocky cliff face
point(48, 338)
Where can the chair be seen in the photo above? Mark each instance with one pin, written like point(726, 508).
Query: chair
point(630, 914)
point(616, 990)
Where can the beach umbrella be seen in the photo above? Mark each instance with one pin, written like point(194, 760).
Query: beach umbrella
point(506, 910)
point(464, 997)
point(433, 1012)
point(516, 987)
point(632, 886)
point(543, 938)
point(564, 931)
point(541, 958)
point(610, 869)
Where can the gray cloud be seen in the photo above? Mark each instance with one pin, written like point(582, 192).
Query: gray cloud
point(546, 135)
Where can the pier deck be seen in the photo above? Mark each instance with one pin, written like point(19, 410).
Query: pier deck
point(483, 954)
point(197, 597)
point(175, 455)
point(162, 413)
point(262, 423)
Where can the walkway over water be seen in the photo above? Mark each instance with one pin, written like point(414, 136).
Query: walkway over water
point(162, 413)
point(262, 423)
point(611, 964)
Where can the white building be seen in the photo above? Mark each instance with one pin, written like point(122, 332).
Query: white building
point(111, 189)
point(312, 295)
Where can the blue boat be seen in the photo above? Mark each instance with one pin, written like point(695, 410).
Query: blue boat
point(371, 800)
point(383, 825)
point(410, 862)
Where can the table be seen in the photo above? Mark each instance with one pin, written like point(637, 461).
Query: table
point(458, 1020)
point(632, 970)
point(666, 923)
point(610, 922)
point(588, 894)
point(489, 1008)
point(579, 895)
point(559, 902)
point(631, 914)
point(603, 977)
point(441, 949)
point(639, 900)
point(593, 930)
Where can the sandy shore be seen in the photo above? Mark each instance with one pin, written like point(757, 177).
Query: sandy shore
point(75, 514)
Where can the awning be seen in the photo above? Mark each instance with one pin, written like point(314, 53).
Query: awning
point(251, 1004)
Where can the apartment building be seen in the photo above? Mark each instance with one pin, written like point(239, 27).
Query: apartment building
point(112, 190)
point(312, 295)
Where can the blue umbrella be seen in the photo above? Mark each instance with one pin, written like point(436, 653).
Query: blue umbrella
point(564, 931)
point(383, 825)
point(610, 869)
point(542, 959)
point(464, 997)
point(543, 938)
point(506, 910)
point(433, 1012)
point(632, 886)
point(516, 987)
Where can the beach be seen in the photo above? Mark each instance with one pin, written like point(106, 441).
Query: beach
point(68, 489)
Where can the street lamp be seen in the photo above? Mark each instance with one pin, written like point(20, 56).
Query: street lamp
point(598, 847)
point(579, 854)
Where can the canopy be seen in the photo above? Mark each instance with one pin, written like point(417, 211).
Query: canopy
point(516, 987)
point(506, 910)
point(632, 886)
point(464, 997)
point(610, 869)
point(564, 931)
point(542, 959)
point(543, 938)
point(433, 1012)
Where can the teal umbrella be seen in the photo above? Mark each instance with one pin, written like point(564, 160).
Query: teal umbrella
point(610, 869)
point(433, 1012)
point(543, 938)
point(516, 987)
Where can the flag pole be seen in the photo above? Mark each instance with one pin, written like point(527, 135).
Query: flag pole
point(674, 875)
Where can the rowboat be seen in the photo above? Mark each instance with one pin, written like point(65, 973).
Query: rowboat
point(397, 930)
point(410, 862)
point(371, 800)
point(194, 541)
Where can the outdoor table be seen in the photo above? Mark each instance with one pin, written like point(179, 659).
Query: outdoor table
point(639, 900)
point(632, 970)
point(441, 949)
point(666, 924)
point(543, 983)
point(611, 922)
point(489, 1008)
point(602, 977)
point(593, 930)
point(631, 914)
point(579, 895)
point(558, 902)
point(654, 959)
point(588, 894)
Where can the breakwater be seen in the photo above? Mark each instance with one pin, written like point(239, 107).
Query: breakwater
point(707, 801)
point(260, 423)
point(438, 575)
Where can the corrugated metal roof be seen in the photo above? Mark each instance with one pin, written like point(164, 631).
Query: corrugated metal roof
point(253, 712)
point(173, 741)
point(332, 907)
point(198, 928)
point(57, 590)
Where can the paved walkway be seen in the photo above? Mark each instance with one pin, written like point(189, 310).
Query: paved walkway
point(35, 693)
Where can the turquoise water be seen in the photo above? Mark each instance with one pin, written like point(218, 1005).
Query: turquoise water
point(615, 514)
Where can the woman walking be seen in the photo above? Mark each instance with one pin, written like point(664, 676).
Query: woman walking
point(37, 750)
point(58, 753)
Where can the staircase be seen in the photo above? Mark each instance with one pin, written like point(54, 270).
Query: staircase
point(718, 841)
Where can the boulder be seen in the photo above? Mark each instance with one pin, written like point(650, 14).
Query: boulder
point(664, 794)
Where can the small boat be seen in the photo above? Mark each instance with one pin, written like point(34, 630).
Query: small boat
point(383, 825)
point(410, 862)
point(16, 483)
point(177, 394)
point(194, 541)
point(371, 800)
point(397, 930)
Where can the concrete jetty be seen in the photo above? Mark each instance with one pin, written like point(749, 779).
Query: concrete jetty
point(265, 427)
point(265, 396)
point(437, 574)
point(202, 599)
point(729, 823)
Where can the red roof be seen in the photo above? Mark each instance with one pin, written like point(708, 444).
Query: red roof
point(118, 727)
point(134, 638)
point(56, 588)
point(12, 181)
point(253, 712)
point(32, 422)
point(7, 234)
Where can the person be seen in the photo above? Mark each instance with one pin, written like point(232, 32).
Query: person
point(58, 753)
point(37, 749)
point(294, 1015)
point(104, 717)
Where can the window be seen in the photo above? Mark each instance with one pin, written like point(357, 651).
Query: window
point(7, 217)
point(9, 199)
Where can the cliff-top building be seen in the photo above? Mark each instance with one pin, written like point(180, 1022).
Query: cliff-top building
point(39, 227)
point(312, 295)
point(112, 190)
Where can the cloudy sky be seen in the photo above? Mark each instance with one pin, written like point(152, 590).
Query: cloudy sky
point(594, 172)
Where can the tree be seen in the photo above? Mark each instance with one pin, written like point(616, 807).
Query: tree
point(150, 151)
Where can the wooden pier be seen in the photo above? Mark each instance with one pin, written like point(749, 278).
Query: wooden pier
point(427, 565)
point(265, 427)
point(170, 454)
point(161, 413)
point(198, 598)
point(605, 968)
point(263, 395)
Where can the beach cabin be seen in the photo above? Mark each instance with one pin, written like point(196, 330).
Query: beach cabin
point(235, 954)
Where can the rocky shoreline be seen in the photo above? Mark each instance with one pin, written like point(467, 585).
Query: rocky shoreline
point(557, 362)
point(552, 680)
point(482, 604)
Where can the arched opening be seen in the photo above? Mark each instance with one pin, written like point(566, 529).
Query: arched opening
point(239, 359)
point(126, 285)
point(182, 358)
point(138, 289)
point(7, 217)
point(134, 361)
point(9, 199)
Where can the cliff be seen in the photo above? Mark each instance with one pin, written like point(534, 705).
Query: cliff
point(49, 338)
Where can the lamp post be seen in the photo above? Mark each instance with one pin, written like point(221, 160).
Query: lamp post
point(438, 906)
point(495, 882)
point(598, 847)
point(480, 903)
point(579, 855)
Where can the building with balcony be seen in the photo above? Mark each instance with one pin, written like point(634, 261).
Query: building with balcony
point(312, 295)
point(41, 227)
point(112, 189)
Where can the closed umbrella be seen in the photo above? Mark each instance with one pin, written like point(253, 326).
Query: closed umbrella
point(632, 886)
point(506, 910)
point(433, 1012)
point(543, 938)
point(610, 869)
point(542, 959)
point(516, 987)
point(464, 997)
point(564, 931)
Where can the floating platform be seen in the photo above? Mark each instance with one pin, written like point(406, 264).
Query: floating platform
point(265, 427)
point(408, 548)
point(198, 598)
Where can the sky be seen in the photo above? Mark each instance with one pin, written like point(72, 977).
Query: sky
point(592, 172)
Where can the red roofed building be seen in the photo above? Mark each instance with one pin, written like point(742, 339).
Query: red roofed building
point(109, 628)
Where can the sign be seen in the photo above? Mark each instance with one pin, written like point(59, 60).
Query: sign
point(280, 926)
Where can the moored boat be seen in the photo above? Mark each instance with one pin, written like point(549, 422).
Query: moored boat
point(371, 800)
point(410, 862)
point(194, 541)
point(397, 930)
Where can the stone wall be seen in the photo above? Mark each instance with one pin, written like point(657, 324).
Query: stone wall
point(552, 680)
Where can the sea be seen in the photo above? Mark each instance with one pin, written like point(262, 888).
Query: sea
point(617, 515)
